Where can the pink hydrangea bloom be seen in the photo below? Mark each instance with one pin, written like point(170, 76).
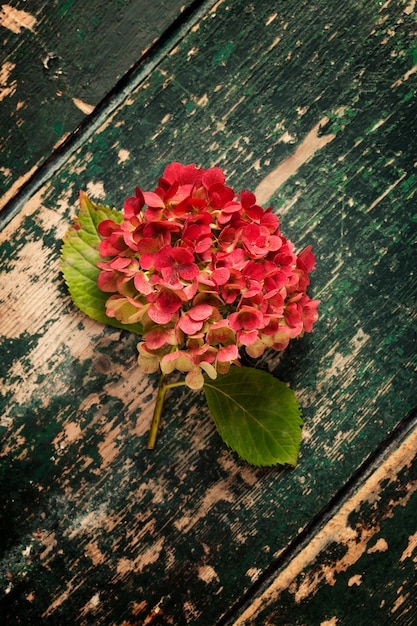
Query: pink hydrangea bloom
point(206, 271)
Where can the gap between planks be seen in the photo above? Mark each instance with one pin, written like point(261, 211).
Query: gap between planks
point(251, 602)
point(156, 53)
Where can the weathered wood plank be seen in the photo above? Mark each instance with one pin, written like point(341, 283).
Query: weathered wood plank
point(94, 526)
point(58, 61)
point(361, 567)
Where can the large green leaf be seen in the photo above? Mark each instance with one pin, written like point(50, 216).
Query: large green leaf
point(256, 415)
point(80, 254)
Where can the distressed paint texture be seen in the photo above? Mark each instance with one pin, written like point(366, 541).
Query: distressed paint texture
point(66, 57)
point(360, 567)
point(95, 528)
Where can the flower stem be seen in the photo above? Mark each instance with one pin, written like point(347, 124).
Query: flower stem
point(162, 389)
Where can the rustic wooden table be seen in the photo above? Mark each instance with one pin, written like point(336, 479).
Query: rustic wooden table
point(311, 104)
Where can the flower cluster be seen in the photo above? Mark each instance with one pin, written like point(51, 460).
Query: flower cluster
point(205, 272)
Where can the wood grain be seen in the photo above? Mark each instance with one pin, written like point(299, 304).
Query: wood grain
point(361, 565)
point(58, 61)
point(96, 527)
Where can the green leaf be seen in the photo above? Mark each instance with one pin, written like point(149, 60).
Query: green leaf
point(79, 257)
point(256, 415)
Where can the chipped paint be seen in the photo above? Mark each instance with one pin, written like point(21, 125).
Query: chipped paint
point(108, 448)
point(253, 573)
point(219, 492)
point(405, 77)
point(303, 153)
point(14, 19)
point(6, 88)
point(83, 406)
point(337, 530)
point(72, 431)
point(341, 362)
point(378, 124)
point(380, 546)
point(96, 190)
point(63, 597)
point(83, 106)
point(410, 549)
point(386, 192)
point(144, 559)
point(92, 550)
point(208, 574)
point(123, 156)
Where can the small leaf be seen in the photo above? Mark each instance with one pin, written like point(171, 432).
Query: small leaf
point(256, 415)
point(79, 258)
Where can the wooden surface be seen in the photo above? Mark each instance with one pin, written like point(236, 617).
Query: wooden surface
point(59, 60)
point(313, 106)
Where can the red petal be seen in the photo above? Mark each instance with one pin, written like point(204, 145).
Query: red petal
point(168, 301)
point(106, 228)
point(182, 173)
point(213, 176)
point(247, 199)
point(307, 259)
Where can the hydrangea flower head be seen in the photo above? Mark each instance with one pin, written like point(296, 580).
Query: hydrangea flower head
point(206, 272)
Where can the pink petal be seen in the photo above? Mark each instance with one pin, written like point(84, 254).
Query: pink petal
point(153, 200)
point(148, 246)
point(120, 262)
point(271, 221)
point(107, 281)
point(220, 333)
point(157, 338)
point(147, 261)
point(228, 353)
point(200, 312)
point(189, 326)
point(255, 213)
point(190, 291)
point(169, 301)
point(203, 245)
point(142, 284)
point(182, 173)
point(221, 275)
point(188, 272)
point(158, 316)
point(134, 204)
point(108, 249)
point(247, 338)
point(248, 319)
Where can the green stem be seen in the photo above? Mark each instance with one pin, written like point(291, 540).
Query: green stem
point(162, 389)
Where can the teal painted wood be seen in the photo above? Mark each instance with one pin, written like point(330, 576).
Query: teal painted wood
point(58, 61)
point(361, 567)
point(96, 527)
